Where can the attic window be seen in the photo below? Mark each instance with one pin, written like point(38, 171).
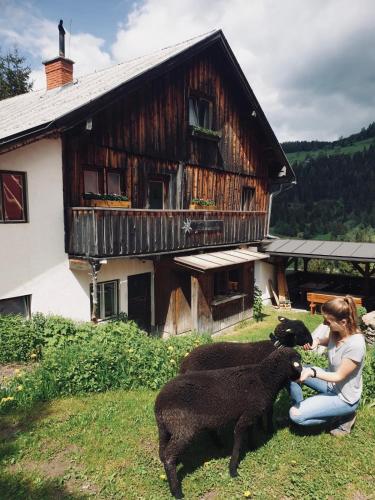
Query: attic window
point(200, 112)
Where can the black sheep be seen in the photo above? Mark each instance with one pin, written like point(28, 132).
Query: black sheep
point(288, 333)
point(210, 399)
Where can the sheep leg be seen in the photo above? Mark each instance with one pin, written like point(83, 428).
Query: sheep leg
point(242, 425)
point(269, 423)
point(215, 438)
point(164, 437)
point(174, 449)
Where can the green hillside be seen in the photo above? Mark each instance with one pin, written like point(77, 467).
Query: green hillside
point(331, 150)
point(334, 198)
point(298, 151)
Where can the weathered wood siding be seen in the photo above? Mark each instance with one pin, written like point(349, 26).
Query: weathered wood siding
point(146, 133)
point(98, 232)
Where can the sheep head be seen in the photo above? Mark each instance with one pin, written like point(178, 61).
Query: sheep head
point(293, 360)
point(290, 332)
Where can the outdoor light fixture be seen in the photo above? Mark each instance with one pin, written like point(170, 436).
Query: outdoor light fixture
point(89, 123)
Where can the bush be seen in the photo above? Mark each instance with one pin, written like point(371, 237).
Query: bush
point(98, 358)
point(258, 304)
point(17, 340)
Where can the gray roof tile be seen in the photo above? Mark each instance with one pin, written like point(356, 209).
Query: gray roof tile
point(40, 108)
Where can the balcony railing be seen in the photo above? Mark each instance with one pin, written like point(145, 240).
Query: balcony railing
point(111, 232)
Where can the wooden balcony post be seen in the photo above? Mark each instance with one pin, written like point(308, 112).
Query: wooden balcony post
point(95, 268)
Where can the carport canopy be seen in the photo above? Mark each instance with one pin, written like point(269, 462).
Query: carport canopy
point(208, 261)
point(315, 249)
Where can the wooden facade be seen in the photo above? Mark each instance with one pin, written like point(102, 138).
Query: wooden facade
point(146, 136)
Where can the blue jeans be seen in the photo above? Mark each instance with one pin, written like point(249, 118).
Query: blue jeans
point(319, 409)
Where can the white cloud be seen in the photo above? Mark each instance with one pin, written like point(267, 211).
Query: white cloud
point(289, 50)
point(311, 63)
point(39, 37)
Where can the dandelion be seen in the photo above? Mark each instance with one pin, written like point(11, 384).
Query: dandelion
point(173, 362)
point(19, 387)
point(186, 354)
point(33, 355)
point(170, 348)
point(9, 398)
point(130, 350)
point(163, 477)
point(247, 494)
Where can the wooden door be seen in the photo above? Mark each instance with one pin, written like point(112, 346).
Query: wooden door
point(139, 299)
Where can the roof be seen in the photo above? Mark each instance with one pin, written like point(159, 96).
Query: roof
point(40, 108)
point(330, 250)
point(36, 113)
point(214, 260)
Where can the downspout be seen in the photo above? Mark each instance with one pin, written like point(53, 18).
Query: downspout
point(272, 194)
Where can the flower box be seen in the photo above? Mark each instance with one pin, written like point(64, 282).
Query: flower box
point(198, 206)
point(110, 203)
point(204, 133)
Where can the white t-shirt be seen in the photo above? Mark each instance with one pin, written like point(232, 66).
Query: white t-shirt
point(354, 348)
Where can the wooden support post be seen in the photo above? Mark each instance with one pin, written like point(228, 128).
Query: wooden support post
point(305, 264)
point(366, 277)
point(95, 268)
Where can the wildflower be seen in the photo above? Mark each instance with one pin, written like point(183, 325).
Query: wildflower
point(33, 355)
point(9, 398)
point(170, 348)
point(19, 387)
point(163, 477)
point(247, 494)
point(293, 462)
point(130, 350)
point(186, 354)
point(173, 362)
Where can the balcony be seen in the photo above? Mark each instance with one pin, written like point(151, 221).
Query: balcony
point(113, 232)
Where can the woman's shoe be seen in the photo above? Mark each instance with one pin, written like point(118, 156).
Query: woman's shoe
point(344, 428)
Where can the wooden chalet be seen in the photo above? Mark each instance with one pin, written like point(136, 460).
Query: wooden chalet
point(180, 136)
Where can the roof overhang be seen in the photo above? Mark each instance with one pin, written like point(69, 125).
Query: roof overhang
point(316, 249)
point(215, 260)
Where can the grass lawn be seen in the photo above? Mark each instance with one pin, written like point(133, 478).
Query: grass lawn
point(105, 446)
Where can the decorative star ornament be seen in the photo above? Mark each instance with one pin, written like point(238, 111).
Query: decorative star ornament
point(186, 226)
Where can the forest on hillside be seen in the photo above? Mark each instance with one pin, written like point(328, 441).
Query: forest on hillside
point(334, 198)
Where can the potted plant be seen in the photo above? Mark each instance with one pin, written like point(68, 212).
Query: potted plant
point(108, 200)
point(205, 133)
point(202, 204)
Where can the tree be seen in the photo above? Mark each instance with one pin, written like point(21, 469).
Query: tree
point(14, 74)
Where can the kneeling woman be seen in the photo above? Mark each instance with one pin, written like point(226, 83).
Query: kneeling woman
point(340, 386)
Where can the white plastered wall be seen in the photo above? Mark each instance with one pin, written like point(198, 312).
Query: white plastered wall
point(264, 272)
point(32, 255)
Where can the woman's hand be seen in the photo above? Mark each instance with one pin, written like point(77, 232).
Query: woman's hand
point(306, 373)
point(314, 345)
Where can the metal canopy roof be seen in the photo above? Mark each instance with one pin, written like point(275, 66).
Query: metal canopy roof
point(314, 249)
point(206, 261)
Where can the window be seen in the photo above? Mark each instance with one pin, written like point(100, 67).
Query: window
point(107, 306)
point(227, 282)
point(16, 305)
point(200, 112)
point(91, 181)
point(248, 199)
point(114, 183)
point(156, 194)
point(13, 197)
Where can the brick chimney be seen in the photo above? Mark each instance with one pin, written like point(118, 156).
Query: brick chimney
point(59, 70)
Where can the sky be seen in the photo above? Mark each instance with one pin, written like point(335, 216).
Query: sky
point(311, 63)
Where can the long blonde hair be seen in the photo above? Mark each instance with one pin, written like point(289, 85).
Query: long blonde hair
point(343, 308)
